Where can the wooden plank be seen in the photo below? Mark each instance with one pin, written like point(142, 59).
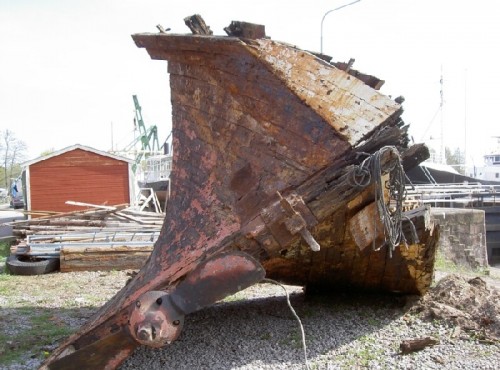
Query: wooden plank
point(103, 258)
point(104, 249)
point(366, 228)
point(82, 204)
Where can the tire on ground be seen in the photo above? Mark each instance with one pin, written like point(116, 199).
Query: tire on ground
point(18, 265)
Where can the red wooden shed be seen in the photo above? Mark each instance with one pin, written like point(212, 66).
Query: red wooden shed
point(77, 173)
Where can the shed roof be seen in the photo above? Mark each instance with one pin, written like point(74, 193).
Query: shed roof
point(73, 147)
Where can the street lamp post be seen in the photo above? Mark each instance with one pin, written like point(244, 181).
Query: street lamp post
point(328, 12)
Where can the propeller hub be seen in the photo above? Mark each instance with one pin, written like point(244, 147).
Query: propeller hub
point(154, 319)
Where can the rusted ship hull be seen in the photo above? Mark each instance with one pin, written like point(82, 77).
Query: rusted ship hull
point(270, 142)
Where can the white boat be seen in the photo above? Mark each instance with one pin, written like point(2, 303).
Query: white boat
point(490, 170)
point(156, 175)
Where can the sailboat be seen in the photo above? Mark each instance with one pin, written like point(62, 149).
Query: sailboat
point(436, 171)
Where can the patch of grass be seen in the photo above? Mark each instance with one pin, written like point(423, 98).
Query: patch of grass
point(266, 336)
point(93, 300)
point(366, 354)
point(7, 284)
point(294, 339)
point(13, 287)
point(443, 264)
point(4, 253)
point(4, 249)
point(41, 327)
point(373, 321)
point(362, 356)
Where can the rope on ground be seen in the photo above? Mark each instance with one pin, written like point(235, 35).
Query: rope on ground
point(271, 281)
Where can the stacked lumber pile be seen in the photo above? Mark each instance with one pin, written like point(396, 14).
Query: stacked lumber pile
point(99, 238)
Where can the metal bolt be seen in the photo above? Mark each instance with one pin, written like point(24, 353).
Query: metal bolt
point(159, 301)
point(176, 322)
point(147, 332)
point(144, 333)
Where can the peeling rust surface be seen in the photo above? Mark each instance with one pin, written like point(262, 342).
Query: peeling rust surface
point(264, 137)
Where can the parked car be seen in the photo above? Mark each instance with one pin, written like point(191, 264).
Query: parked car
point(17, 201)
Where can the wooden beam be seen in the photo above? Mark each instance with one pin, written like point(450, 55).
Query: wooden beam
point(197, 25)
point(103, 258)
point(246, 30)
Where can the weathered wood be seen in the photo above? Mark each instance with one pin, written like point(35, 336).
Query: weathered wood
point(268, 140)
point(60, 228)
point(246, 30)
point(197, 25)
point(140, 220)
point(371, 81)
point(366, 228)
point(90, 205)
point(333, 99)
point(88, 227)
point(102, 258)
point(414, 155)
point(55, 223)
point(418, 344)
point(87, 212)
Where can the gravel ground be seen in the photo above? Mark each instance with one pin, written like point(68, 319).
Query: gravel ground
point(255, 329)
point(342, 332)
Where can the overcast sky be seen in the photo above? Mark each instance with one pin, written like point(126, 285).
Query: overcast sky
point(69, 68)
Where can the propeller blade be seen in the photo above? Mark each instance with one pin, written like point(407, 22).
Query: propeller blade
point(215, 279)
point(157, 317)
point(105, 353)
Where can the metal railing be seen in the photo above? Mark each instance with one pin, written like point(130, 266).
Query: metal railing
point(453, 195)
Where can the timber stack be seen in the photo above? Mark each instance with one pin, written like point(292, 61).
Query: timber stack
point(95, 239)
point(286, 166)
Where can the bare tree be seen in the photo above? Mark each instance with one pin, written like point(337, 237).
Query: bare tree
point(13, 152)
point(456, 159)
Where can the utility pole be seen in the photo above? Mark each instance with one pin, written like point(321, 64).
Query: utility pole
point(323, 19)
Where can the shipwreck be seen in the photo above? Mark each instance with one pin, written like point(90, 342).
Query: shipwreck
point(287, 166)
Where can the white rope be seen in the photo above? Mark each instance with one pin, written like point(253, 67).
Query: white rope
point(296, 317)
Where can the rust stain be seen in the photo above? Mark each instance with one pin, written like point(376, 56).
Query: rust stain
point(264, 138)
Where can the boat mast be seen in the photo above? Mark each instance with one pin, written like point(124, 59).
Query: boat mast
point(465, 123)
point(442, 149)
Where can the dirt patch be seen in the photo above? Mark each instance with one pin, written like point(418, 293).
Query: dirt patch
point(471, 304)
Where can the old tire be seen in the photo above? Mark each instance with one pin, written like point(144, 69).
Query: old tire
point(21, 265)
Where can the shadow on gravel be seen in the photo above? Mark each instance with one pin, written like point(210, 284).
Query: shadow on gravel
point(262, 332)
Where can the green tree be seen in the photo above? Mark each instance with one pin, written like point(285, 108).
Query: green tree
point(47, 152)
point(455, 159)
point(12, 154)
